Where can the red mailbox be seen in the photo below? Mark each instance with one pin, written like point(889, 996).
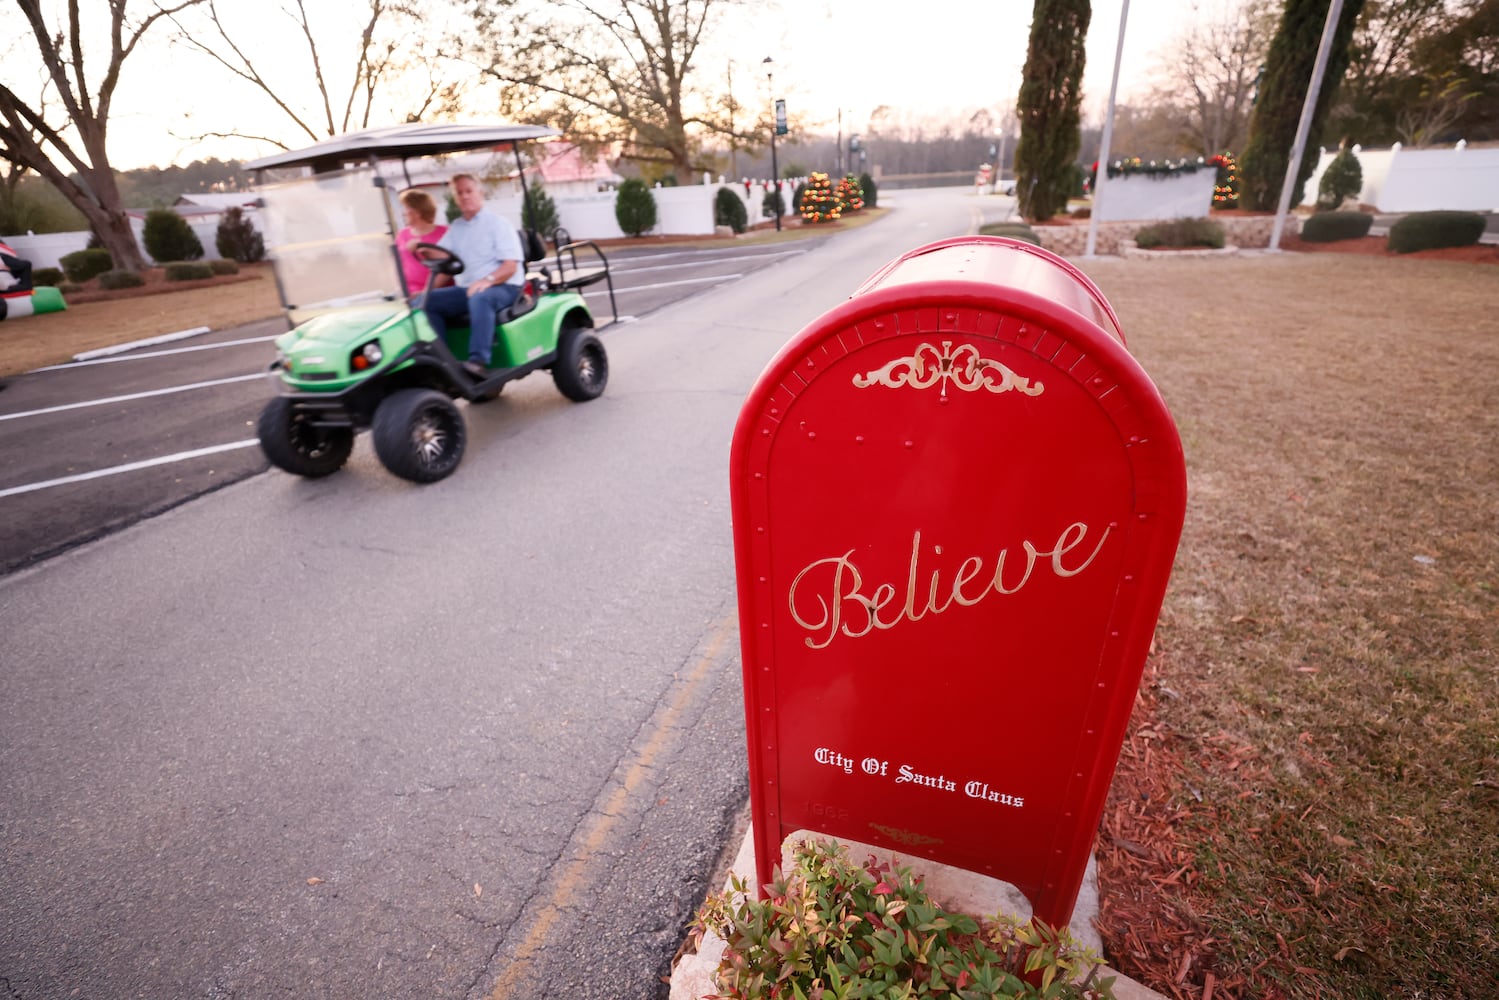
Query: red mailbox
point(956, 499)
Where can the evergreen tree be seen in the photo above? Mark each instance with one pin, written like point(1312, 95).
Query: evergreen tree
point(168, 236)
point(1048, 106)
point(850, 197)
point(1277, 107)
point(635, 207)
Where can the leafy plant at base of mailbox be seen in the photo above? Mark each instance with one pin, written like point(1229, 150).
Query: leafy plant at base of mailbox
point(836, 930)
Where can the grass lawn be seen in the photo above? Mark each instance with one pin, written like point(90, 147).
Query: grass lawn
point(1308, 802)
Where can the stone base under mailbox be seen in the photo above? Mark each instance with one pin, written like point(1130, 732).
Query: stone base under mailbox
point(957, 890)
point(1246, 231)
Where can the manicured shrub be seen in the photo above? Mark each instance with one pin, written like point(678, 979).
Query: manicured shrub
point(1330, 227)
point(772, 204)
point(1431, 230)
point(222, 266)
point(238, 239)
point(797, 196)
point(729, 210)
point(188, 270)
point(1012, 230)
point(540, 210)
point(168, 236)
point(46, 276)
point(635, 207)
point(1343, 179)
point(81, 265)
point(113, 280)
point(1181, 233)
point(871, 191)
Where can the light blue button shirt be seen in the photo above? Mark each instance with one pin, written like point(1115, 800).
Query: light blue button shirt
point(484, 243)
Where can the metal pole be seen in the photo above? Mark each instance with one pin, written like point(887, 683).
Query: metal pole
point(1305, 125)
point(775, 171)
point(1108, 136)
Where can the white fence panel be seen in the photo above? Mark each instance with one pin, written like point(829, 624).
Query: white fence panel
point(1421, 180)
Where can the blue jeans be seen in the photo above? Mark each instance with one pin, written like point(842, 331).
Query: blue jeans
point(454, 305)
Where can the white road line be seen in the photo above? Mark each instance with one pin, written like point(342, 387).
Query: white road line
point(135, 395)
point(181, 456)
point(165, 338)
point(665, 284)
point(720, 260)
point(158, 354)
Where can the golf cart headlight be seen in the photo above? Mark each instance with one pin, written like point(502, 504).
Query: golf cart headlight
point(366, 357)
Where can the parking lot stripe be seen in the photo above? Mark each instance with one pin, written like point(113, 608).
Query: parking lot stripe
point(114, 359)
point(134, 395)
point(181, 456)
point(668, 284)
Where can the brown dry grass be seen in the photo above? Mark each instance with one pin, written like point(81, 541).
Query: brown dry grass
point(53, 338)
point(1308, 804)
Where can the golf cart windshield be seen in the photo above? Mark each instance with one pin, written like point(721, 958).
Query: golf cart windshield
point(332, 237)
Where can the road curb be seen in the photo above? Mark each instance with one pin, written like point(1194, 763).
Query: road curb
point(165, 338)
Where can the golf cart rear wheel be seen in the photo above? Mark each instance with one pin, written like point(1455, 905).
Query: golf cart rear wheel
point(419, 435)
point(291, 442)
point(582, 368)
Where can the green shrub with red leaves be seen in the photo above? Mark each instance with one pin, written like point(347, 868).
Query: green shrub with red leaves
point(836, 930)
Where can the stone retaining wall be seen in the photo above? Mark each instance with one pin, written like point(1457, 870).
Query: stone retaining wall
point(1239, 230)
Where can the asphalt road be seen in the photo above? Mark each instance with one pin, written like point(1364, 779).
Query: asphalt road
point(89, 447)
point(353, 737)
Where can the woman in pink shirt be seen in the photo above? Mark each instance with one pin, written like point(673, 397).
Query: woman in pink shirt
point(420, 212)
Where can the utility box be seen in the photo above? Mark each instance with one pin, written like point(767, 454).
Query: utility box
point(956, 500)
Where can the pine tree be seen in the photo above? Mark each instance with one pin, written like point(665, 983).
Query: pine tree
point(819, 203)
point(1277, 106)
point(850, 198)
point(1048, 106)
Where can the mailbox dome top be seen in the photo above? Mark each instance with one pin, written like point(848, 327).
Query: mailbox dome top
point(1002, 263)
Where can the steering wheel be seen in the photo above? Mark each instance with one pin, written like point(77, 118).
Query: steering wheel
point(439, 260)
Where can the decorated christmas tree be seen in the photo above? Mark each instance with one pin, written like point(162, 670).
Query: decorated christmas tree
point(819, 203)
point(850, 196)
point(1226, 188)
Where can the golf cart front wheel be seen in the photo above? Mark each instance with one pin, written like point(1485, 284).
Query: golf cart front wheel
point(582, 368)
point(419, 435)
point(292, 442)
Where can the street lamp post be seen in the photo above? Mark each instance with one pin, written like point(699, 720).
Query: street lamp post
point(775, 172)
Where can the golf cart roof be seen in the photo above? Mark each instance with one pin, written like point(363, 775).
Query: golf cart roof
point(401, 141)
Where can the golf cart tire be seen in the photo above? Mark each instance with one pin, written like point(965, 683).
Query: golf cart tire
point(582, 367)
point(292, 443)
point(419, 435)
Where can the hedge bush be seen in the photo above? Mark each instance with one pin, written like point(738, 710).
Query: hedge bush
point(871, 192)
point(1330, 227)
point(120, 279)
point(81, 265)
point(1432, 230)
point(729, 210)
point(46, 276)
point(188, 270)
point(635, 207)
point(222, 266)
point(168, 236)
point(1181, 233)
point(1343, 179)
point(772, 201)
point(238, 239)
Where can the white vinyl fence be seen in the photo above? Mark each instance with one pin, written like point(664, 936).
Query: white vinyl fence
point(680, 211)
point(1422, 180)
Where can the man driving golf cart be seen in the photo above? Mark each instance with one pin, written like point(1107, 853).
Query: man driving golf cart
point(492, 279)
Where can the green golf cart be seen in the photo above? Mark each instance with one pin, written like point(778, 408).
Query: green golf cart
point(361, 352)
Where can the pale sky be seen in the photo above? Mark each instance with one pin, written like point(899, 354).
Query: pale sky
point(933, 57)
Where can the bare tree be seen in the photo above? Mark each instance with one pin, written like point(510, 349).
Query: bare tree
point(1208, 75)
point(389, 61)
point(611, 72)
point(28, 139)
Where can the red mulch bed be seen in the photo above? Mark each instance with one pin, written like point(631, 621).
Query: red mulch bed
point(1376, 246)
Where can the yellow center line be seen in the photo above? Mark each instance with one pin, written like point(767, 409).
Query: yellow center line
point(575, 873)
